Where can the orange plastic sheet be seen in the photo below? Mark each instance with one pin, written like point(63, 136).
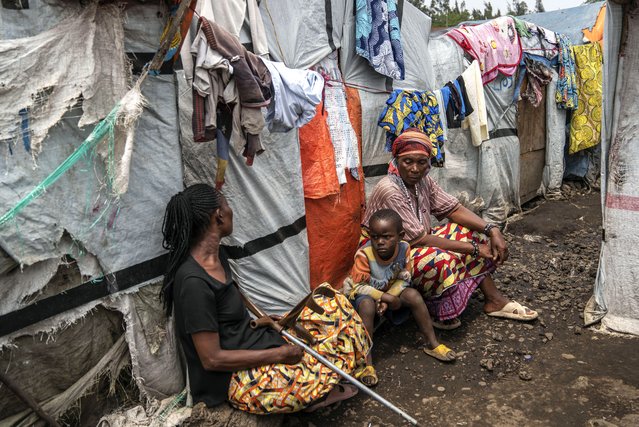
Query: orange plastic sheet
point(332, 221)
point(318, 158)
point(597, 32)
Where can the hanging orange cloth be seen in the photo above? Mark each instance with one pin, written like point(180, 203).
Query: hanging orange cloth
point(333, 220)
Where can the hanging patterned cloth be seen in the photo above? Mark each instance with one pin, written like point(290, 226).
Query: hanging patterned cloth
point(585, 124)
point(566, 95)
point(378, 36)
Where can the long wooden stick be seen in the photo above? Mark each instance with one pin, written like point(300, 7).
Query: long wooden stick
point(30, 401)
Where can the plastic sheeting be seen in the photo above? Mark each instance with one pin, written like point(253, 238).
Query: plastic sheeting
point(301, 36)
point(568, 21)
point(45, 369)
point(112, 233)
point(616, 291)
point(555, 142)
point(85, 58)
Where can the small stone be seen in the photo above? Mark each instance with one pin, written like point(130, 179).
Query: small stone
point(525, 375)
point(403, 349)
point(488, 364)
point(549, 336)
point(577, 331)
point(512, 336)
point(466, 389)
point(498, 337)
point(441, 389)
point(482, 383)
point(567, 356)
point(528, 326)
point(521, 339)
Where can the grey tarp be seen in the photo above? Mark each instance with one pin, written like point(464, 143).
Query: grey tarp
point(555, 141)
point(568, 21)
point(616, 291)
point(73, 204)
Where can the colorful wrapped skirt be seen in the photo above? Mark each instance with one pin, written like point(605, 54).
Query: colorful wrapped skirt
point(447, 279)
point(279, 388)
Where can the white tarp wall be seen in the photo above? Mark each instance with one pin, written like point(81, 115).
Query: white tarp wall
point(616, 288)
point(74, 218)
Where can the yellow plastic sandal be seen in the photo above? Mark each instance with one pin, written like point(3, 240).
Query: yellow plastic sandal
point(441, 353)
point(368, 376)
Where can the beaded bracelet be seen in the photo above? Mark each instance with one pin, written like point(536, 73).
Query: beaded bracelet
point(489, 227)
point(475, 252)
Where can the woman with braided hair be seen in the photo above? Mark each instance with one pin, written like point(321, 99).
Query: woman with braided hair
point(256, 370)
point(449, 261)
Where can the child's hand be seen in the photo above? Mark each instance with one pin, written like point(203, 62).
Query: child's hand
point(381, 308)
point(392, 301)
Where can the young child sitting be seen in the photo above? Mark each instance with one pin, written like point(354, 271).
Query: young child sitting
point(380, 280)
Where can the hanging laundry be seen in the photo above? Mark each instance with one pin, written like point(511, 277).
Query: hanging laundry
point(228, 78)
point(378, 37)
point(419, 109)
point(539, 75)
point(477, 122)
point(296, 93)
point(566, 94)
point(458, 105)
point(251, 75)
point(536, 40)
point(495, 44)
point(343, 136)
point(585, 124)
point(442, 109)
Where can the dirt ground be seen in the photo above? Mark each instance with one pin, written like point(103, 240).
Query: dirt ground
point(549, 372)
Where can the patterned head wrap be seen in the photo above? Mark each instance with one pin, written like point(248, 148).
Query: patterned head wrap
point(412, 141)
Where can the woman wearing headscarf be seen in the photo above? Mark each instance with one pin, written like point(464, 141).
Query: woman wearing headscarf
point(254, 369)
point(452, 260)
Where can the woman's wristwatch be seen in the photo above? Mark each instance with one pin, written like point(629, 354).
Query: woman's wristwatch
point(489, 227)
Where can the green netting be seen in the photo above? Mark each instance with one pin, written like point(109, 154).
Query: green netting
point(101, 130)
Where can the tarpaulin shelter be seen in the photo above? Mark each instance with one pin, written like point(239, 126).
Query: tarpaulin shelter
point(616, 295)
point(76, 264)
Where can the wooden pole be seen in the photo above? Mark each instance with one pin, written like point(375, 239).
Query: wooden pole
point(30, 401)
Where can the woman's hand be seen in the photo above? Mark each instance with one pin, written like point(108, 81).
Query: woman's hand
point(289, 354)
point(498, 246)
point(485, 251)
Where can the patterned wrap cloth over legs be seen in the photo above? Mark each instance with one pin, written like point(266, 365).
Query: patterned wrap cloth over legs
point(279, 388)
point(447, 279)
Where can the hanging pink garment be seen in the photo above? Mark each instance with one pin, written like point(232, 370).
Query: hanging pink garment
point(495, 44)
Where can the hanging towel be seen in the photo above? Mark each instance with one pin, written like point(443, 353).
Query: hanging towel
point(378, 38)
point(478, 121)
point(495, 44)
